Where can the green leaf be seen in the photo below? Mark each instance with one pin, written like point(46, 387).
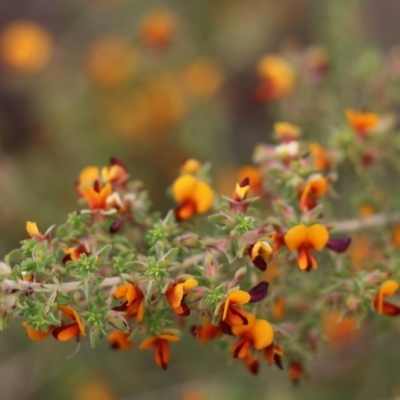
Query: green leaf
point(15, 257)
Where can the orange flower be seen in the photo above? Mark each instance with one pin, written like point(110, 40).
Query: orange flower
point(339, 330)
point(258, 334)
point(25, 46)
point(74, 253)
point(204, 78)
point(119, 340)
point(96, 196)
point(241, 190)
point(251, 363)
point(321, 159)
point(110, 61)
point(190, 166)
point(363, 122)
point(273, 354)
point(35, 334)
point(366, 210)
point(193, 196)
point(134, 301)
point(176, 294)
point(206, 332)
point(116, 173)
point(87, 177)
point(387, 288)
point(279, 308)
point(260, 253)
point(161, 348)
point(286, 132)
point(277, 78)
point(304, 239)
point(67, 332)
point(232, 314)
point(254, 176)
point(396, 235)
point(295, 371)
point(238, 203)
point(316, 186)
point(33, 231)
point(158, 29)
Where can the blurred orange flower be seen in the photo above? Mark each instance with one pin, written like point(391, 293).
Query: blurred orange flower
point(25, 46)
point(339, 330)
point(277, 78)
point(158, 29)
point(363, 122)
point(254, 175)
point(204, 78)
point(110, 61)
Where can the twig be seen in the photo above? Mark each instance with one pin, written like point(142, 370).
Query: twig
point(374, 221)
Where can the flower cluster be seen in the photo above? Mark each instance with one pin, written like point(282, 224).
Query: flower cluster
point(222, 268)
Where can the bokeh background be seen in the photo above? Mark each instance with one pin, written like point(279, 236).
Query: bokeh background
point(154, 82)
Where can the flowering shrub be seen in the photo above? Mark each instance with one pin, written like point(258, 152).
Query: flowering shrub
point(263, 273)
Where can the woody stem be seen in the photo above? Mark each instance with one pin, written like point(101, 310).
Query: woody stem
point(373, 221)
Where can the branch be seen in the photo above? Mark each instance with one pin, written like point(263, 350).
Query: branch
point(374, 221)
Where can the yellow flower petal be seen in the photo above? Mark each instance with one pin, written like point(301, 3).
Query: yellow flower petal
point(189, 284)
point(148, 343)
point(203, 197)
point(183, 187)
point(388, 288)
point(317, 236)
point(295, 237)
point(88, 175)
point(169, 337)
point(32, 229)
point(262, 333)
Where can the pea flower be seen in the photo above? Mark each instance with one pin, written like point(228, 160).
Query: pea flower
point(273, 354)
point(321, 159)
point(176, 294)
point(116, 173)
point(238, 202)
point(74, 253)
point(304, 239)
point(193, 195)
point(67, 332)
point(119, 340)
point(316, 186)
point(96, 195)
point(36, 334)
point(34, 233)
point(257, 334)
point(134, 301)
point(206, 332)
point(162, 351)
point(86, 178)
point(363, 122)
point(295, 372)
point(260, 253)
point(232, 314)
point(251, 363)
point(158, 29)
point(286, 132)
point(254, 175)
point(277, 78)
point(387, 288)
point(190, 166)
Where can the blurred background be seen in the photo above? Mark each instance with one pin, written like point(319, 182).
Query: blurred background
point(152, 83)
